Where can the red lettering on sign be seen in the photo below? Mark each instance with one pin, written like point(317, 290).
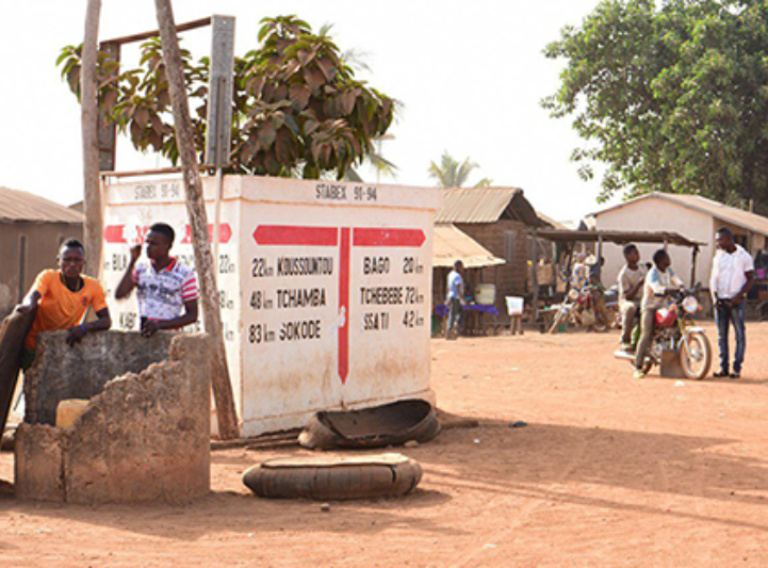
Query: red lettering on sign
point(114, 234)
point(374, 237)
point(225, 233)
point(344, 306)
point(296, 236)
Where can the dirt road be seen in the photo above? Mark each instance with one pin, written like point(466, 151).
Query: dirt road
point(610, 471)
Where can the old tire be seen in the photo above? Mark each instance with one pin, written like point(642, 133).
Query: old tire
point(377, 427)
point(326, 478)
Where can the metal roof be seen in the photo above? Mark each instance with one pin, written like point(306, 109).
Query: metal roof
point(732, 215)
point(450, 244)
point(22, 206)
point(617, 237)
point(475, 205)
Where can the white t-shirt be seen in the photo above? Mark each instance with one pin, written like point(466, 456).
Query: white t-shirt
point(656, 282)
point(455, 285)
point(729, 272)
point(161, 295)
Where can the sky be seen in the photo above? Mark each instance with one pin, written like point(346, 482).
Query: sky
point(470, 77)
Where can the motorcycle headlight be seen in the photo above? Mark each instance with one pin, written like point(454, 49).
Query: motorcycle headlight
point(573, 294)
point(691, 305)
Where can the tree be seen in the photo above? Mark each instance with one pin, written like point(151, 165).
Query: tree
point(452, 173)
point(670, 98)
point(298, 108)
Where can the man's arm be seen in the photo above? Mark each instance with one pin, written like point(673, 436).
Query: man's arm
point(103, 323)
point(189, 316)
point(30, 302)
point(127, 284)
point(738, 298)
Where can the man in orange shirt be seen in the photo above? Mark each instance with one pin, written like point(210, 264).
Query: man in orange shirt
point(61, 298)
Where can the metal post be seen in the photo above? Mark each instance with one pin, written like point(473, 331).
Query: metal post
point(599, 256)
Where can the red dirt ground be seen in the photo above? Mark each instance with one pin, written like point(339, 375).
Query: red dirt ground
point(610, 471)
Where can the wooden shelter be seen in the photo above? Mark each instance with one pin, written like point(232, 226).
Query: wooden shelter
point(566, 239)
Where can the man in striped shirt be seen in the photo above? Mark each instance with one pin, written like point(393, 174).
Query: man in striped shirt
point(165, 289)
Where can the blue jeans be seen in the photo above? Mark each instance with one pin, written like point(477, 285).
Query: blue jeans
point(725, 314)
point(454, 315)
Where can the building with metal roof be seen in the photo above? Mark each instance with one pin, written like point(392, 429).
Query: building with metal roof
point(31, 230)
point(693, 216)
point(498, 221)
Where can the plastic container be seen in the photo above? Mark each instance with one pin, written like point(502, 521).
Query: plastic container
point(515, 305)
point(485, 294)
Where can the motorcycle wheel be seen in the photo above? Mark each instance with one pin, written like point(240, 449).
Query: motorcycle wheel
point(558, 319)
point(696, 363)
point(647, 366)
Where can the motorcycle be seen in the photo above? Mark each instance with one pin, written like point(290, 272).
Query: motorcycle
point(676, 332)
point(590, 308)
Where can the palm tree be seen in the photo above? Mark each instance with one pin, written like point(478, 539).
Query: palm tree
point(452, 173)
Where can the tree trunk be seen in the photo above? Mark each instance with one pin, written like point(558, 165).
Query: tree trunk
point(198, 220)
point(89, 109)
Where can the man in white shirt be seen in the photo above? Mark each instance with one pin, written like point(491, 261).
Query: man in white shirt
point(660, 281)
point(733, 274)
point(455, 298)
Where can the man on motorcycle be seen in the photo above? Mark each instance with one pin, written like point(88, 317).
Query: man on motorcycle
point(631, 279)
point(661, 280)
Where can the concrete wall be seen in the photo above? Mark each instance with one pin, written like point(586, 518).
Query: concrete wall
point(145, 437)
point(62, 372)
point(654, 214)
point(22, 262)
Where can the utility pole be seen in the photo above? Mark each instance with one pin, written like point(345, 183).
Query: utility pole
point(93, 225)
point(198, 220)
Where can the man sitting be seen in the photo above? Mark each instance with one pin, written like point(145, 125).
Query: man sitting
point(661, 280)
point(61, 298)
point(165, 289)
point(631, 279)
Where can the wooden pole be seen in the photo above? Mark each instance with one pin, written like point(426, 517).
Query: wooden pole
point(89, 114)
point(198, 220)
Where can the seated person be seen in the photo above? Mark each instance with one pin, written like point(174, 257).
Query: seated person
point(165, 289)
point(580, 273)
point(61, 298)
point(661, 280)
point(630, 280)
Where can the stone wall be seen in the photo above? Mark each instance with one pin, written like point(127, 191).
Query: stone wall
point(145, 437)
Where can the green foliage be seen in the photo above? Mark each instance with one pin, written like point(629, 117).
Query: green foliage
point(298, 110)
point(671, 98)
point(452, 173)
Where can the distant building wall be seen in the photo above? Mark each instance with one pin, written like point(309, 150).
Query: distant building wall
point(27, 248)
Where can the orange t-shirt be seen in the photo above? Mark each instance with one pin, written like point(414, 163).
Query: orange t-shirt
point(59, 307)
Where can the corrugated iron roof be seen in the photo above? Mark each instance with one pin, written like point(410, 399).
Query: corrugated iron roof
point(475, 205)
point(451, 244)
point(615, 236)
point(738, 217)
point(22, 206)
